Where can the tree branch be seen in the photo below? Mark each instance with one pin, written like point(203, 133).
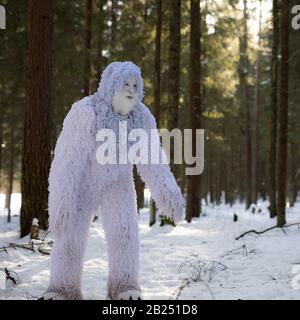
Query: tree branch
point(268, 229)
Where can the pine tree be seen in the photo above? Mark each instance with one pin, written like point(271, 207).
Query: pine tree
point(245, 103)
point(283, 114)
point(273, 105)
point(36, 148)
point(88, 47)
point(256, 118)
point(157, 68)
point(193, 196)
point(174, 69)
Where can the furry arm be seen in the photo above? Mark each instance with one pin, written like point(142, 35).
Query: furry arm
point(68, 166)
point(160, 180)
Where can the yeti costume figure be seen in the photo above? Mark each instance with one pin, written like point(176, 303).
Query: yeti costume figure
point(79, 187)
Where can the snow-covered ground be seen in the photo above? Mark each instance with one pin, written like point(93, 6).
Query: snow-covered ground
point(265, 266)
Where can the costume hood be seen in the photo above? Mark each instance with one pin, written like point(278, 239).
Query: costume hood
point(113, 78)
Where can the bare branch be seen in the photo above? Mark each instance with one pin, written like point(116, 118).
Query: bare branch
point(184, 284)
point(22, 246)
point(268, 229)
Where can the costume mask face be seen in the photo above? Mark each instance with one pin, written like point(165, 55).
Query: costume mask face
point(124, 101)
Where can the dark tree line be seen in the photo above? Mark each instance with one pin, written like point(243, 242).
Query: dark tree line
point(202, 69)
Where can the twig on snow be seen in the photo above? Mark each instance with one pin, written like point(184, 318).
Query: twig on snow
point(11, 277)
point(268, 229)
point(244, 250)
point(3, 249)
point(28, 246)
point(185, 283)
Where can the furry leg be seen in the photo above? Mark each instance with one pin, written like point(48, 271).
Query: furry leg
point(67, 260)
point(120, 223)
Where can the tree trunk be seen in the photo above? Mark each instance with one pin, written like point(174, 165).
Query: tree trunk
point(219, 181)
point(262, 186)
point(292, 174)
point(139, 186)
point(156, 86)
point(88, 46)
point(152, 210)
point(283, 114)
point(99, 62)
point(245, 104)
point(11, 172)
point(36, 146)
point(295, 187)
point(174, 70)
point(1, 138)
point(273, 122)
point(248, 162)
point(210, 170)
point(255, 142)
point(113, 32)
point(193, 196)
point(6, 203)
point(241, 174)
point(230, 175)
point(157, 62)
point(2, 117)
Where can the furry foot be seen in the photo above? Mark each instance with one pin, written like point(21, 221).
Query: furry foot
point(130, 295)
point(53, 296)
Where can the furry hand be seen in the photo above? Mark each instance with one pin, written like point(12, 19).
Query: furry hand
point(174, 206)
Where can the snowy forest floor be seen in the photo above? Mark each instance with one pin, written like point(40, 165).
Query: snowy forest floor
point(200, 260)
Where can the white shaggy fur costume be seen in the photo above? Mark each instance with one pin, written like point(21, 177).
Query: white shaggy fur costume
point(79, 186)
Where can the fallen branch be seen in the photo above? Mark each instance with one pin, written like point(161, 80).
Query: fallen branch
point(44, 251)
point(43, 245)
point(268, 229)
point(184, 284)
point(28, 246)
point(31, 246)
